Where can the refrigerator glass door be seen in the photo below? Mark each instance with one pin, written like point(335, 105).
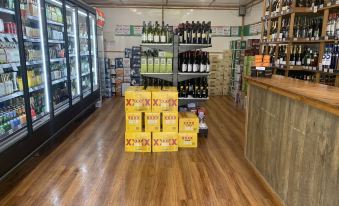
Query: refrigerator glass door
point(57, 59)
point(73, 42)
point(84, 53)
point(32, 27)
point(93, 37)
point(13, 119)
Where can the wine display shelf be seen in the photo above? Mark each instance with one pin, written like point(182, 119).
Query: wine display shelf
point(320, 11)
point(177, 76)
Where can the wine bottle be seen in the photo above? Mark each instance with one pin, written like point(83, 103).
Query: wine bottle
point(163, 38)
point(150, 33)
point(190, 62)
point(292, 56)
point(184, 63)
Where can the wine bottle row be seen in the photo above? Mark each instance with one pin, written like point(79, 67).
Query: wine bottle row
point(156, 33)
point(194, 88)
point(330, 58)
point(194, 61)
point(194, 33)
point(303, 55)
point(305, 27)
point(287, 4)
point(150, 81)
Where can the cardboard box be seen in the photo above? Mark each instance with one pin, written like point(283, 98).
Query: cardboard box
point(119, 62)
point(165, 100)
point(138, 100)
point(156, 65)
point(188, 122)
point(135, 72)
point(119, 72)
point(138, 142)
point(169, 65)
point(136, 49)
point(144, 65)
point(127, 63)
point(165, 54)
point(133, 122)
point(128, 53)
point(135, 81)
point(127, 79)
point(170, 121)
point(152, 122)
point(165, 142)
point(150, 64)
point(127, 72)
point(162, 65)
point(188, 140)
point(124, 87)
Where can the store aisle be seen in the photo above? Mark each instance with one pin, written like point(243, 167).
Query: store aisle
point(90, 167)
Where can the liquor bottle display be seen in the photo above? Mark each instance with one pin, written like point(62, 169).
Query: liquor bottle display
point(194, 88)
point(310, 47)
point(330, 59)
point(305, 27)
point(153, 61)
point(194, 33)
point(332, 27)
point(156, 33)
point(194, 61)
point(149, 81)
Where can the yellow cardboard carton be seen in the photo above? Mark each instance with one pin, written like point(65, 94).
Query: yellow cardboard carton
point(138, 142)
point(138, 100)
point(165, 142)
point(165, 100)
point(188, 122)
point(152, 122)
point(170, 121)
point(133, 122)
point(188, 139)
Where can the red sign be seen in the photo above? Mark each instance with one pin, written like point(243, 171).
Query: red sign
point(100, 18)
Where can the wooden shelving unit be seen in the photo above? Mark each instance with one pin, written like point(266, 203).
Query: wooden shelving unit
point(323, 11)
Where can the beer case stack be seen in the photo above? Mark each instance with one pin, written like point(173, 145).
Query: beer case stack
point(218, 83)
point(152, 121)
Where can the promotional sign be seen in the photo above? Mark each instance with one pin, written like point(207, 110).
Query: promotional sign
point(100, 18)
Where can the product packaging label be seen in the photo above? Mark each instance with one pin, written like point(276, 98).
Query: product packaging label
point(133, 122)
point(152, 122)
point(165, 142)
point(170, 121)
point(138, 142)
point(188, 140)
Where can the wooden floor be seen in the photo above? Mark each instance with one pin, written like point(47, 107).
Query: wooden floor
point(90, 167)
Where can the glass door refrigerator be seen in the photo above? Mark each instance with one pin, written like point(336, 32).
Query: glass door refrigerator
point(73, 54)
point(56, 50)
point(84, 52)
point(94, 53)
point(34, 50)
point(13, 119)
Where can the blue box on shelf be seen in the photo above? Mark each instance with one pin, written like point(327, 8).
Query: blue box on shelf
point(135, 72)
point(128, 53)
point(135, 81)
point(119, 62)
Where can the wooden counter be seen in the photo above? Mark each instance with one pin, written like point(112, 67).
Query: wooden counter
point(292, 139)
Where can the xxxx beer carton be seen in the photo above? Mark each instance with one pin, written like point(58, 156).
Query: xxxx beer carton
point(133, 122)
point(165, 141)
point(188, 122)
point(165, 100)
point(170, 121)
point(138, 142)
point(188, 139)
point(152, 122)
point(138, 100)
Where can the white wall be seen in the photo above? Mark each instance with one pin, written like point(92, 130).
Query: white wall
point(253, 15)
point(131, 16)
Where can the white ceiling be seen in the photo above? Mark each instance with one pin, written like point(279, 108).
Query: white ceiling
point(186, 3)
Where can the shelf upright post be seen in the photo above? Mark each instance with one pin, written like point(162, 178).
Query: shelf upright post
point(23, 69)
point(175, 59)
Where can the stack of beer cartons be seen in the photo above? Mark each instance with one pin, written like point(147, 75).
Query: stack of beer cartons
point(165, 105)
point(135, 66)
point(215, 78)
point(137, 103)
point(151, 114)
point(227, 71)
point(188, 129)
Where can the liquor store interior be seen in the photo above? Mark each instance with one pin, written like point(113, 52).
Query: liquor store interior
point(176, 102)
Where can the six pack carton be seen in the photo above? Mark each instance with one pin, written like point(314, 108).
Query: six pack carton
point(188, 139)
point(138, 100)
point(170, 121)
point(152, 122)
point(164, 142)
point(133, 122)
point(138, 142)
point(188, 122)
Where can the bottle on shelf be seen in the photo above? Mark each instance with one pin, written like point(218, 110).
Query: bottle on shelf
point(194, 33)
point(194, 88)
point(330, 58)
point(196, 62)
point(155, 34)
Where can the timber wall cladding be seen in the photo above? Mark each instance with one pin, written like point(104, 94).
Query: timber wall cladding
point(295, 147)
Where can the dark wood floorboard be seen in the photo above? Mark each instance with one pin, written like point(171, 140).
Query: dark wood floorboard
point(90, 167)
